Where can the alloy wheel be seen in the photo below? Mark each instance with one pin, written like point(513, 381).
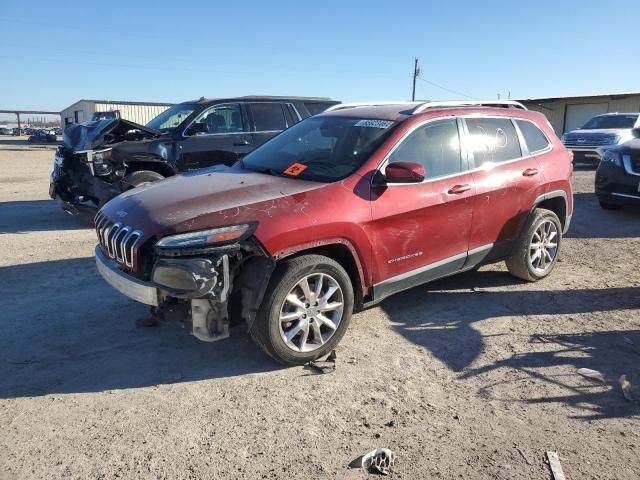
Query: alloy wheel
point(311, 312)
point(544, 246)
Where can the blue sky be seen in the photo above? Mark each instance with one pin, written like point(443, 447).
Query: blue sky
point(54, 53)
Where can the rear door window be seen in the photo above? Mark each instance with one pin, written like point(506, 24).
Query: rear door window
point(536, 140)
point(492, 140)
point(268, 117)
point(435, 145)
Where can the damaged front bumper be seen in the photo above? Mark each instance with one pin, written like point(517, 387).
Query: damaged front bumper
point(203, 282)
point(75, 185)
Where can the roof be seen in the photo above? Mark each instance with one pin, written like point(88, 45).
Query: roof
point(400, 111)
point(119, 102)
point(261, 98)
point(394, 112)
point(592, 95)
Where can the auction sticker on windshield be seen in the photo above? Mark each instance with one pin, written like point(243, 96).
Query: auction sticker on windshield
point(374, 123)
point(295, 169)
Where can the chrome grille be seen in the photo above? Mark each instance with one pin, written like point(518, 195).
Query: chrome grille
point(118, 241)
point(588, 140)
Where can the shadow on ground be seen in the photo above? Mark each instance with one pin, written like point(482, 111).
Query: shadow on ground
point(64, 330)
point(39, 215)
point(443, 323)
point(591, 221)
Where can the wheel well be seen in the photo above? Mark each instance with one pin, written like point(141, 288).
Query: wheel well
point(341, 254)
point(557, 205)
point(158, 167)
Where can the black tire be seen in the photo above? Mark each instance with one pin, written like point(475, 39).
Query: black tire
point(609, 206)
point(141, 177)
point(519, 264)
point(265, 330)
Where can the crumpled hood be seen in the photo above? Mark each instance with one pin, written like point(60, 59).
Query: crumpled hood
point(89, 135)
point(207, 198)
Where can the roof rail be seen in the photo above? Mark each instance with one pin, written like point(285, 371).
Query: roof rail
point(342, 106)
point(468, 103)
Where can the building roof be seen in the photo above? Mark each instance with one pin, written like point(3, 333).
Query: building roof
point(591, 95)
point(119, 102)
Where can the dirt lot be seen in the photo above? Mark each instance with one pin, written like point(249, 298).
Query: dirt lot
point(470, 377)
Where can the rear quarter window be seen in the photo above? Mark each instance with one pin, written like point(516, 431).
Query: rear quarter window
point(536, 140)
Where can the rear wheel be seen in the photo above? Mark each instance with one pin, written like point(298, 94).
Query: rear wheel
point(609, 206)
point(306, 310)
point(538, 247)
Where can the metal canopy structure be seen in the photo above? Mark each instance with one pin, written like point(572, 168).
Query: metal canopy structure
point(17, 113)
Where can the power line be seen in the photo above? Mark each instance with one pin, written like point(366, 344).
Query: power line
point(455, 92)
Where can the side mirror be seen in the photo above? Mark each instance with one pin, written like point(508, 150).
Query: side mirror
point(196, 128)
point(636, 132)
point(404, 172)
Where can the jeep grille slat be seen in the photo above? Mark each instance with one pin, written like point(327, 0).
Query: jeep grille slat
point(118, 241)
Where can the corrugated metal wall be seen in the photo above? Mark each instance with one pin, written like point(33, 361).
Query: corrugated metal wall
point(137, 113)
point(555, 109)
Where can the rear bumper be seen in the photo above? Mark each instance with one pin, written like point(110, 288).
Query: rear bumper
point(143, 292)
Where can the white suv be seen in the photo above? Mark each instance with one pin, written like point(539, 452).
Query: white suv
point(589, 142)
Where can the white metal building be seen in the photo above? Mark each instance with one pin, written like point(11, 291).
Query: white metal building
point(568, 113)
point(138, 112)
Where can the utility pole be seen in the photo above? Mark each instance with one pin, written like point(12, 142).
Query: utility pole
point(416, 72)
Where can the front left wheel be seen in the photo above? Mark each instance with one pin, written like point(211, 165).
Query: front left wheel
point(306, 309)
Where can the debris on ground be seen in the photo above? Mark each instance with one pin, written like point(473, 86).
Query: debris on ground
point(379, 460)
point(626, 387)
point(526, 459)
point(556, 467)
point(592, 374)
point(319, 367)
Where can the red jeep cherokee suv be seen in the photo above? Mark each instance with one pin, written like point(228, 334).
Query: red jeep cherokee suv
point(338, 212)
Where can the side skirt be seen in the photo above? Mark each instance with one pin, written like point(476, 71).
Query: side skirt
point(434, 271)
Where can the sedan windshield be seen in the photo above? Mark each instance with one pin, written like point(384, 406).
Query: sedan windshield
point(172, 117)
point(321, 149)
point(611, 121)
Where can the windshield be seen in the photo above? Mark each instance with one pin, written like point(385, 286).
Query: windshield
point(172, 117)
point(321, 149)
point(611, 121)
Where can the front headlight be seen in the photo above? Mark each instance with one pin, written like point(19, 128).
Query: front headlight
point(612, 157)
point(206, 238)
point(100, 156)
point(563, 137)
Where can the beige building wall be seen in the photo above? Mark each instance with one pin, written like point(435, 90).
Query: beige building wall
point(138, 113)
point(555, 108)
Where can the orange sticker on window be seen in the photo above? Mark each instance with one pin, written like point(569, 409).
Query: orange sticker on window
point(295, 169)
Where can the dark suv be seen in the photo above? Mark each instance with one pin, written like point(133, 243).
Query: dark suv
point(101, 159)
point(618, 175)
point(338, 212)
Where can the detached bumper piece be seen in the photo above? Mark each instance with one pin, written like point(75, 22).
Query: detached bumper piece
point(143, 292)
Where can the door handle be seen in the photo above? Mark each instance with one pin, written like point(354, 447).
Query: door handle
point(458, 189)
point(530, 172)
point(241, 143)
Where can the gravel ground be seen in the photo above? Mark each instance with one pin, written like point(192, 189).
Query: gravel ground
point(470, 377)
